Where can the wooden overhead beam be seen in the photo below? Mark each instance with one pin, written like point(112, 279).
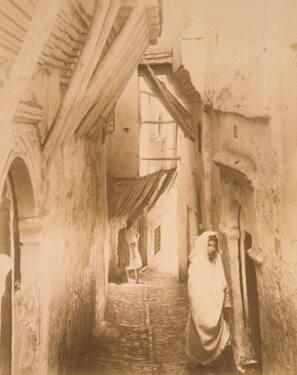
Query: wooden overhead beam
point(28, 113)
point(170, 102)
point(102, 109)
point(100, 27)
point(25, 64)
point(125, 65)
point(108, 77)
point(106, 71)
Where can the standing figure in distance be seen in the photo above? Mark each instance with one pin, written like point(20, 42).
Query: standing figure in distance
point(128, 253)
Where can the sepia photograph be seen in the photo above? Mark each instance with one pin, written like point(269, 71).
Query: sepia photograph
point(148, 196)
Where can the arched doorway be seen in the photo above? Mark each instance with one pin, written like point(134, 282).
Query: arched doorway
point(253, 321)
point(248, 290)
point(6, 282)
point(17, 214)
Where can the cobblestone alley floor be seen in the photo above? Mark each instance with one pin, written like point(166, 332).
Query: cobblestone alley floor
point(150, 319)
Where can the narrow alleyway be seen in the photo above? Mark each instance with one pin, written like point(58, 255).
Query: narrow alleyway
point(150, 319)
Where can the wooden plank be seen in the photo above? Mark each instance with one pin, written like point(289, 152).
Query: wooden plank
point(25, 7)
point(160, 158)
point(10, 29)
point(173, 106)
point(9, 41)
point(15, 16)
point(25, 64)
point(117, 50)
point(66, 27)
point(116, 56)
point(99, 31)
point(81, 13)
point(116, 88)
point(54, 97)
point(28, 113)
point(7, 51)
point(113, 91)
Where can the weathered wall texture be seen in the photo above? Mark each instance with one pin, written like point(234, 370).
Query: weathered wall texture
point(164, 214)
point(63, 234)
point(54, 55)
point(188, 215)
point(73, 243)
point(123, 144)
point(242, 60)
point(21, 158)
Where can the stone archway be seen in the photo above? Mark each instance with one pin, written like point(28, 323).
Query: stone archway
point(19, 238)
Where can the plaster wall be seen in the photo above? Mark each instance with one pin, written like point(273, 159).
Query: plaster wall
point(123, 143)
point(187, 201)
point(244, 67)
point(63, 250)
point(74, 245)
point(164, 214)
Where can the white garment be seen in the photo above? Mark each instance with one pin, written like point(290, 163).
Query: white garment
point(207, 333)
point(132, 238)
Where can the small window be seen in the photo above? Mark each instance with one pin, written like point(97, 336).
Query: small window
point(157, 239)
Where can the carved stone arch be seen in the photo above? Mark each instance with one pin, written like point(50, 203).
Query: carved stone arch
point(20, 187)
point(237, 222)
point(26, 149)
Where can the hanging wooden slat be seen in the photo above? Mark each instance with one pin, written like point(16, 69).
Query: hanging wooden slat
point(7, 51)
point(15, 16)
point(28, 113)
point(9, 41)
point(81, 13)
point(25, 7)
point(173, 106)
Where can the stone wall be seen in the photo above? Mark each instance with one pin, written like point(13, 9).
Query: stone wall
point(62, 227)
point(187, 201)
point(242, 61)
point(73, 243)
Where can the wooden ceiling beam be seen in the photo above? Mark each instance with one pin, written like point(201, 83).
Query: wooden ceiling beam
point(25, 63)
point(108, 71)
point(105, 103)
point(101, 25)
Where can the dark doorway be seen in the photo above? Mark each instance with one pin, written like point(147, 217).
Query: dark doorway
point(6, 287)
point(253, 299)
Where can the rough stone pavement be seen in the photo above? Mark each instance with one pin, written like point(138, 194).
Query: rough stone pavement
point(149, 338)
